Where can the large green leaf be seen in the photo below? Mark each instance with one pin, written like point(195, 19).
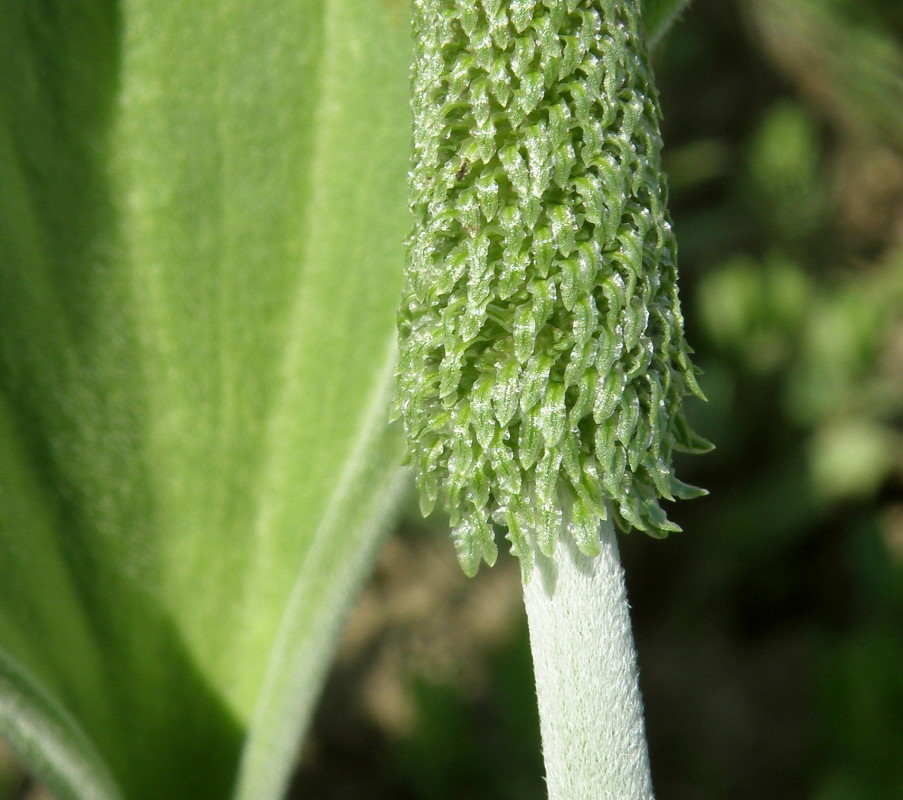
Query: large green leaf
point(201, 218)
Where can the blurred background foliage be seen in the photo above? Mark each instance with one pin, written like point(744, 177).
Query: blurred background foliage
point(770, 634)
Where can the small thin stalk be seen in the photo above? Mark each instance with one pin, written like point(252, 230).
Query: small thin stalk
point(590, 709)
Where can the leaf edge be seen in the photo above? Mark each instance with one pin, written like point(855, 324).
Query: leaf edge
point(49, 740)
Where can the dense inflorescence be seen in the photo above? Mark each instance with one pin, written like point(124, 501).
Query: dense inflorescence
point(542, 356)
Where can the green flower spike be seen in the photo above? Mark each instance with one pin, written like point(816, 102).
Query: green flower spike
point(542, 355)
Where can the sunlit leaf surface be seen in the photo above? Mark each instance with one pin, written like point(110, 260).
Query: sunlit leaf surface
point(201, 225)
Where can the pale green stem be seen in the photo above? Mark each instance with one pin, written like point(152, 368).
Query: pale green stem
point(590, 709)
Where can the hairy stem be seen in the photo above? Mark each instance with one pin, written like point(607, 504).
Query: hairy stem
point(591, 712)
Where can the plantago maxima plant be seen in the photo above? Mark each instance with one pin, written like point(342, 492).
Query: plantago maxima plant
point(201, 211)
point(542, 355)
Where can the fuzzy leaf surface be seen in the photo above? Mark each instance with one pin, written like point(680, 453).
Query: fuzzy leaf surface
point(202, 207)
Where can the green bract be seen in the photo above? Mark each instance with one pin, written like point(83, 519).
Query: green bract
point(542, 361)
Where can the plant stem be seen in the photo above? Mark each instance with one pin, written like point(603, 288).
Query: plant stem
point(590, 709)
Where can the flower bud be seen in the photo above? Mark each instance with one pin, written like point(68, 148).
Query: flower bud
point(542, 356)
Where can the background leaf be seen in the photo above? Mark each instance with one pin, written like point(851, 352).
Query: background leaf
point(659, 15)
point(200, 255)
